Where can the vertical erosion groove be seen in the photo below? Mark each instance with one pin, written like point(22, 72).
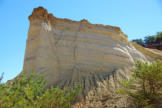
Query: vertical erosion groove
point(75, 70)
point(55, 52)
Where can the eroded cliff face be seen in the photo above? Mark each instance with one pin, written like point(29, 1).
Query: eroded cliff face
point(69, 52)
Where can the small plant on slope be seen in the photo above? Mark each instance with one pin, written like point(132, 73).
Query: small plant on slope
point(28, 91)
point(145, 85)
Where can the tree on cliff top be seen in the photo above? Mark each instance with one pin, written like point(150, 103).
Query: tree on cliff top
point(149, 39)
point(159, 35)
point(138, 41)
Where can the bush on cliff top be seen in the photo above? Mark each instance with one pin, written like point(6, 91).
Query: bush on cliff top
point(145, 85)
point(28, 91)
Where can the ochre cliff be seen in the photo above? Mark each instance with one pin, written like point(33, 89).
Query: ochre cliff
point(68, 52)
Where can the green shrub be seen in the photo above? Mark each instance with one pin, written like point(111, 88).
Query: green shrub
point(149, 40)
point(139, 41)
point(28, 91)
point(145, 85)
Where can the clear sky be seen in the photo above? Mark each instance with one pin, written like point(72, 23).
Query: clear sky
point(137, 19)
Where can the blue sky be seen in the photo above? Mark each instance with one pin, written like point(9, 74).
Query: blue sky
point(137, 19)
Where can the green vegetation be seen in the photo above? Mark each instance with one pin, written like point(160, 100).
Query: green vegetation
point(28, 91)
point(159, 35)
point(139, 41)
point(149, 39)
point(145, 86)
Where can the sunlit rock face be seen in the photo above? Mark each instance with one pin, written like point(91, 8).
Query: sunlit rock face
point(68, 52)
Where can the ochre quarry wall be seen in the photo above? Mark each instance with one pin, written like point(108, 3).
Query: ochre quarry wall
point(68, 52)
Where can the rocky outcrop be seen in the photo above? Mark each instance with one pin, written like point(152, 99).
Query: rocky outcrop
point(67, 52)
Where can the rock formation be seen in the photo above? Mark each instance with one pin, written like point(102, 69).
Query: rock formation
point(68, 52)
